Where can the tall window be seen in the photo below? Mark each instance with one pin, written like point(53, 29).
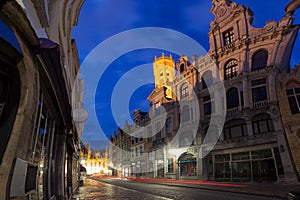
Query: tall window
point(259, 90)
point(262, 123)
point(185, 113)
point(169, 126)
point(294, 99)
point(157, 109)
point(208, 105)
point(231, 69)
point(158, 130)
point(228, 36)
point(207, 79)
point(184, 91)
point(170, 165)
point(259, 59)
point(181, 68)
point(149, 133)
point(232, 97)
point(234, 129)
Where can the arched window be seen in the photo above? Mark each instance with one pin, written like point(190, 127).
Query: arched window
point(185, 113)
point(235, 128)
point(181, 68)
point(262, 123)
point(232, 97)
point(206, 79)
point(231, 69)
point(184, 90)
point(259, 59)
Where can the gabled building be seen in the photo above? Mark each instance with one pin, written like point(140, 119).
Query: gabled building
point(257, 141)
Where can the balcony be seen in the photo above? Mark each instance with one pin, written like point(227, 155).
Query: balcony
point(263, 104)
point(234, 111)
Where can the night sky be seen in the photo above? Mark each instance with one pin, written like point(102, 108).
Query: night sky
point(102, 19)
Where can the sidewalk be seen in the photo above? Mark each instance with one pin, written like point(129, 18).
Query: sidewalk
point(275, 189)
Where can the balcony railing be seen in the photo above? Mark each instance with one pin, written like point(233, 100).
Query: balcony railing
point(262, 104)
point(233, 111)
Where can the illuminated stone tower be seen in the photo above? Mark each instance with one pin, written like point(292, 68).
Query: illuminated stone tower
point(164, 73)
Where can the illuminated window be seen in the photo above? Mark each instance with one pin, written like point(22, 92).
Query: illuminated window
point(231, 69)
point(228, 36)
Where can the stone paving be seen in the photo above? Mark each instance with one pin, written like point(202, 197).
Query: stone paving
point(96, 190)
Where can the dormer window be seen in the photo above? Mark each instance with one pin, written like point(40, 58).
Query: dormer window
point(228, 36)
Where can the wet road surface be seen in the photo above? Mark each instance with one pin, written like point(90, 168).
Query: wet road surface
point(121, 189)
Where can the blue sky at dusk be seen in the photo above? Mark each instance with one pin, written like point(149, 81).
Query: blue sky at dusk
point(102, 19)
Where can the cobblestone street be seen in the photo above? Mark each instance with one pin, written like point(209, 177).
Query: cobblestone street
point(108, 188)
point(98, 190)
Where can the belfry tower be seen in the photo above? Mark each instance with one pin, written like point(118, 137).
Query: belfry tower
point(164, 73)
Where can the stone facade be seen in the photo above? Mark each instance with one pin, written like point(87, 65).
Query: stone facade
point(288, 93)
point(39, 65)
point(252, 144)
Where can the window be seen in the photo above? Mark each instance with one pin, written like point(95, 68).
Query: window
point(181, 68)
point(294, 99)
point(232, 97)
point(208, 105)
point(262, 123)
point(186, 139)
point(228, 36)
point(207, 79)
point(169, 126)
point(149, 133)
point(259, 90)
point(170, 165)
point(259, 59)
point(157, 109)
point(184, 91)
point(234, 129)
point(185, 113)
point(158, 130)
point(141, 150)
point(231, 69)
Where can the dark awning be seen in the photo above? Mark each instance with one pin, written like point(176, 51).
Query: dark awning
point(49, 52)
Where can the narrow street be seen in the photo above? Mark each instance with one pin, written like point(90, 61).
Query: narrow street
point(122, 189)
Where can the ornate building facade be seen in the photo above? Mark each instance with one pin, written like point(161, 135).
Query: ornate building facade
point(38, 68)
point(259, 139)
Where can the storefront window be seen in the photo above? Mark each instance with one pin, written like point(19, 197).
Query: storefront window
point(260, 166)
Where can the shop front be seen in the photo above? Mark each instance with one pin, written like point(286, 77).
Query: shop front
point(187, 164)
point(258, 165)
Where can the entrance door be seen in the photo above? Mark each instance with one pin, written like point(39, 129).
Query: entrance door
point(187, 165)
